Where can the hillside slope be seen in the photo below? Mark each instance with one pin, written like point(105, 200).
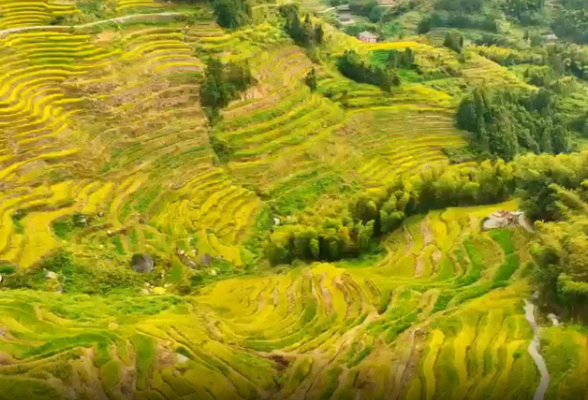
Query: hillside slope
point(106, 152)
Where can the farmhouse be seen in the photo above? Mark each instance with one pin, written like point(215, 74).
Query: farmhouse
point(345, 18)
point(550, 37)
point(344, 15)
point(367, 37)
point(505, 219)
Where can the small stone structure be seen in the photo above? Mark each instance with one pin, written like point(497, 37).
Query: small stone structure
point(206, 260)
point(367, 37)
point(505, 219)
point(142, 263)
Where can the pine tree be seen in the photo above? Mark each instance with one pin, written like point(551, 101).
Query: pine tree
point(319, 34)
point(392, 60)
point(386, 81)
point(314, 249)
point(409, 58)
point(561, 139)
point(546, 145)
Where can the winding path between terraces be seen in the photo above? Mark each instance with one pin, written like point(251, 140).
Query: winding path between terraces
point(65, 28)
point(534, 352)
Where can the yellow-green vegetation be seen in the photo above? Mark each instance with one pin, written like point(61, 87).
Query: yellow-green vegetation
point(107, 152)
point(428, 314)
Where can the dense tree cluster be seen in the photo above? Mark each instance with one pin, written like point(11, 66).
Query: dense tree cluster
point(223, 83)
point(374, 12)
point(555, 191)
point(399, 9)
point(582, 124)
point(461, 6)
point(457, 20)
point(367, 8)
point(232, 13)
point(454, 41)
point(401, 59)
point(305, 33)
point(545, 77)
point(347, 231)
point(572, 59)
point(506, 123)
point(490, 39)
point(526, 12)
point(572, 21)
point(353, 66)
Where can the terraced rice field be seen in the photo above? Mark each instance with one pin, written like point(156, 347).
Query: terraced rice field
point(481, 70)
point(17, 14)
point(109, 123)
point(63, 91)
point(396, 140)
point(108, 126)
point(426, 321)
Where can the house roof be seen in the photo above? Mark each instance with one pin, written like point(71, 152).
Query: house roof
point(366, 34)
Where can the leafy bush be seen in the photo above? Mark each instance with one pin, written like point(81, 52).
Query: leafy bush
point(232, 13)
point(223, 83)
point(7, 269)
point(311, 79)
point(454, 41)
point(354, 67)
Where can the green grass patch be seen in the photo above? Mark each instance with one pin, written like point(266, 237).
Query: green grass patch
point(476, 264)
point(385, 300)
point(331, 383)
point(511, 264)
point(504, 238)
point(118, 245)
point(13, 388)
point(145, 358)
point(443, 300)
point(110, 374)
point(511, 260)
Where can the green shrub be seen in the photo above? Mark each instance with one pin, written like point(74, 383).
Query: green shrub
point(7, 269)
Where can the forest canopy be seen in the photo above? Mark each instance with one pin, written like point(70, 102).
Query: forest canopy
point(506, 123)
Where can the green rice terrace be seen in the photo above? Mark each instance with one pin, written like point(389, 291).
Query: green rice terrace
point(242, 200)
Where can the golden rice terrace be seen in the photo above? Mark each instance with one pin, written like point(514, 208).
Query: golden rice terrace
point(107, 152)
